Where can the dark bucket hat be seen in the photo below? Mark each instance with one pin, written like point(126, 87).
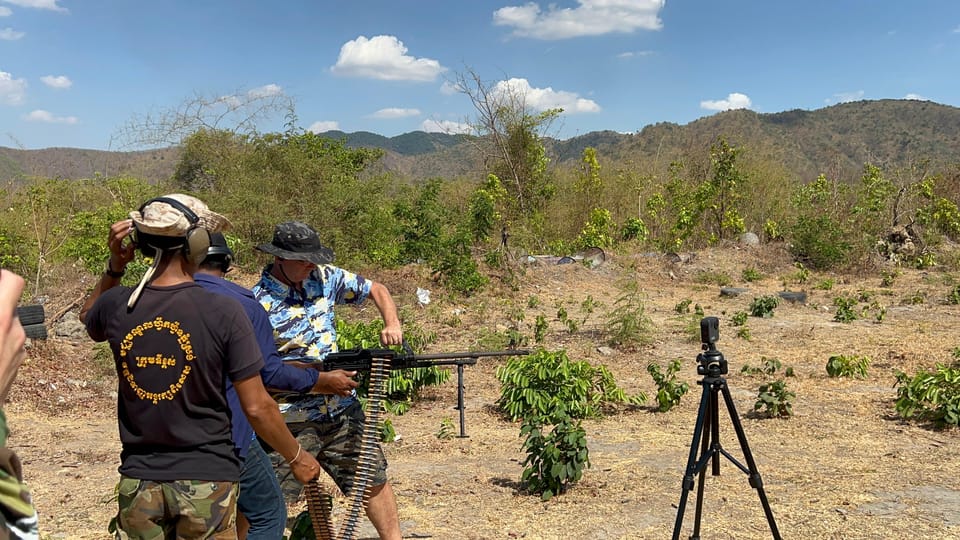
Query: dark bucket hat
point(297, 241)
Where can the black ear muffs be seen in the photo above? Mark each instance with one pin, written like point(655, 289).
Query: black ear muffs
point(197, 238)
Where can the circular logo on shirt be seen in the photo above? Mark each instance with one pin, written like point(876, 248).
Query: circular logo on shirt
point(147, 371)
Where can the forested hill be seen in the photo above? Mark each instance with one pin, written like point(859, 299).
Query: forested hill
point(836, 140)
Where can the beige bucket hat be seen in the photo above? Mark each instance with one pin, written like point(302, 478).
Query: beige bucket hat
point(160, 218)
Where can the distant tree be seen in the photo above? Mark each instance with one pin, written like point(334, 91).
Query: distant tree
point(511, 143)
point(239, 113)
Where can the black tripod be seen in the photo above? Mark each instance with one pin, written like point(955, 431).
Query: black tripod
point(712, 365)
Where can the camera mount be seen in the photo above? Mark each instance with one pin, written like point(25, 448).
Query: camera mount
point(706, 433)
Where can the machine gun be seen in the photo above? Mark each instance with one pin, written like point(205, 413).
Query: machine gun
point(362, 360)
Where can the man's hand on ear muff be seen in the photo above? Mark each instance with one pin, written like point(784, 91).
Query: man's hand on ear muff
point(121, 252)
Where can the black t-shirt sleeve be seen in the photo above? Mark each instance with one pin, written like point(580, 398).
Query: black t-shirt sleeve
point(95, 320)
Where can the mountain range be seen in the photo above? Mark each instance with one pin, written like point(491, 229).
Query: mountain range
point(837, 139)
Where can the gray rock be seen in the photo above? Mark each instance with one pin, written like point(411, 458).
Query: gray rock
point(750, 239)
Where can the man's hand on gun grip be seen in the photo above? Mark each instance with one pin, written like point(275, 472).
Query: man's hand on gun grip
point(337, 382)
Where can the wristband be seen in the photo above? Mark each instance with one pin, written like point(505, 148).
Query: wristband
point(109, 271)
point(296, 457)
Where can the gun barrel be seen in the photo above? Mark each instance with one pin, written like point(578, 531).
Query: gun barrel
point(470, 354)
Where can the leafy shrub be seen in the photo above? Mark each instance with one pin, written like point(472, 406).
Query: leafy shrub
point(763, 306)
point(716, 278)
point(540, 328)
point(930, 395)
point(954, 296)
point(456, 267)
point(598, 231)
point(683, 306)
point(769, 367)
point(556, 460)
point(627, 325)
point(669, 391)
point(634, 229)
point(848, 366)
point(825, 285)
point(541, 383)
point(845, 312)
point(820, 240)
point(750, 275)
point(887, 277)
point(775, 400)
point(739, 318)
point(446, 429)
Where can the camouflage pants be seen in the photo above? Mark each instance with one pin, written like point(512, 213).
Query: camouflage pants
point(180, 509)
point(336, 445)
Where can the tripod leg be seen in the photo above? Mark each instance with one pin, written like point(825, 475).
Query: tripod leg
point(711, 444)
point(691, 469)
point(756, 481)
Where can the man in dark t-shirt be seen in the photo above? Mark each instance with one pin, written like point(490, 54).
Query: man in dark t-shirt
point(175, 346)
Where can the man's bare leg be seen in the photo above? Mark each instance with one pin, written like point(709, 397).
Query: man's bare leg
point(382, 512)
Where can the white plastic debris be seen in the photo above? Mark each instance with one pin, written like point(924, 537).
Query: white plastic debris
point(423, 296)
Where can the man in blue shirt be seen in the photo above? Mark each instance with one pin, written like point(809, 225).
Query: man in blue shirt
point(299, 291)
point(261, 501)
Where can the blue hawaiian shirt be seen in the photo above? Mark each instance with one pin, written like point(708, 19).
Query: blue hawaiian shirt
point(305, 330)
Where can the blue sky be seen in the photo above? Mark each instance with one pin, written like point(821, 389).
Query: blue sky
point(74, 73)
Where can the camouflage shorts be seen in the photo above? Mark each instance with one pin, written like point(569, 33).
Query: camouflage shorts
point(336, 445)
point(151, 510)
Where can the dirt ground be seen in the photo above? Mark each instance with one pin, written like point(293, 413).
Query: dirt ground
point(842, 467)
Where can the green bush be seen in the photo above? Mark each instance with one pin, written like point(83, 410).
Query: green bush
point(845, 312)
point(627, 325)
point(555, 460)
point(634, 229)
point(775, 400)
point(543, 382)
point(669, 391)
point(841, 365)
point(932, 396)
point(763, 306)
point(769, 367)
point(750, 275)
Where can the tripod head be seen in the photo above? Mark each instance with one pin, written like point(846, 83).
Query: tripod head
point(711, 361)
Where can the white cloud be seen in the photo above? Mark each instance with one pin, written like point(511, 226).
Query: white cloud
point(845, 97)
point(541, 99)
point(60, 81)
point(324, 125)
point(735, 100)
point(915, 96)
point(267, 90)
point(12, 91)
point(394, 112)
point(38, 4)
point(449, 88)
point(385, 58)
point(9, 34)
point(632, 54)
point(41, 115)
point(5, 11)
point(445, 126)
point(231, 101)
point(589, 18)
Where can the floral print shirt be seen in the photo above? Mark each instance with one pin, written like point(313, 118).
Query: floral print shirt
point(304, 329)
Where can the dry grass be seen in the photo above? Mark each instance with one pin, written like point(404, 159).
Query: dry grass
point(842, 467)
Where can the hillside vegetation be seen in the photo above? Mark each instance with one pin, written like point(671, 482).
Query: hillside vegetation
point(836, 140)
